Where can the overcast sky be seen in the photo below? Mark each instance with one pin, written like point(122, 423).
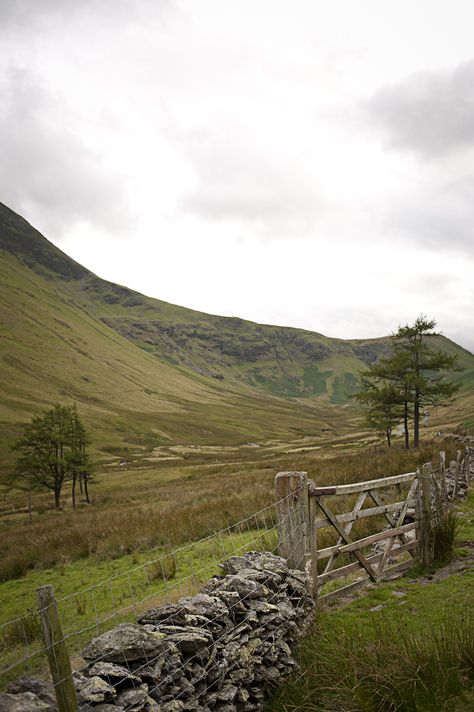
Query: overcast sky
point(306, 163)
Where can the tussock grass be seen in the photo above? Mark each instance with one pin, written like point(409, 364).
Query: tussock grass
point(385, 667)
point(174, 504)
point(445, 529)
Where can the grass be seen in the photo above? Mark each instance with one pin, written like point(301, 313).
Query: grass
point(94, 597)
point(383, 666)
point(142, 513)
point(407, 646)
point(445, 528)
point(168, 502)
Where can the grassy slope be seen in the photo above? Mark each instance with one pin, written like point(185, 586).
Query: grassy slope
point(145, 372)
point(52, 349)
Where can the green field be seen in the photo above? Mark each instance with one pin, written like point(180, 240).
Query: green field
point(106, 559)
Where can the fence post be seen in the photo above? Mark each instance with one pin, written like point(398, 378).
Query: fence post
point(291, 489)
point(442, 471)
point(56, 650)
point(426, 546)
point(469, 451)
point(313, 547)
point(458, 473)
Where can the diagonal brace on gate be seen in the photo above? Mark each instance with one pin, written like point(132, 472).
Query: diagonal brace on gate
point(395, 523)
point(346, 537)
point(348, 527)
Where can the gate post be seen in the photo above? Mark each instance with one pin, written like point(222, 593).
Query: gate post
point(426, 540)
point(291, 490)
point(442, 471)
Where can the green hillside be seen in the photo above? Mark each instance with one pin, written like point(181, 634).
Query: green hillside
point(145, 372)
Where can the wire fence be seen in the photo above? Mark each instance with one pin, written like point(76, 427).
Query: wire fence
point(164, 578)
point(161, 661)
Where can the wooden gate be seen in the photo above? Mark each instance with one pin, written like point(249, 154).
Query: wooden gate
point(395, 523)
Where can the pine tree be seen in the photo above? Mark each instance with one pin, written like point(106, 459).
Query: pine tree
point(383, 403)
point(425, 368)
point(413, 376)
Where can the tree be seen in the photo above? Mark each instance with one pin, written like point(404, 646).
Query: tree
point(52, 451)
point(383, 403)
point(414, 375)
point(395, 372)
point(425, 368)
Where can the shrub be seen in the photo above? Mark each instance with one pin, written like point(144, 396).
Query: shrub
point(163, 569)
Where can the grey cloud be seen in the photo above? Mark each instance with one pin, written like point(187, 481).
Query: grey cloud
point(27, 13)
point(430, 113)
point(440, 218)
point(240, 178)
point(47, 168)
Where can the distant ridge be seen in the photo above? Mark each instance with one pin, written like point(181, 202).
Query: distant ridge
point(147, 371)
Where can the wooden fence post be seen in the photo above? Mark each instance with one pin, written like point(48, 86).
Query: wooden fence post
point(313, 547)
point(426, 545)
point(458, 474)
point(468, 455)
point(442, 471)
point(56, 650)
point(291, 489)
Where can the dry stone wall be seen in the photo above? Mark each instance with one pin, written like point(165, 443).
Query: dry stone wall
point(213, 652)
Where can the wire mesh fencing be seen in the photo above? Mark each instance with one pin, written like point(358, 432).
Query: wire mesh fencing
point(121, 598)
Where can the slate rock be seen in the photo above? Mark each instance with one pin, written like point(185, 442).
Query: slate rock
point(170, 614)
point(40, 688)
point(114, 674)
point(96, 690)
point(22, 702)
point(189, 640)
point(134, 699)
point(125, 642)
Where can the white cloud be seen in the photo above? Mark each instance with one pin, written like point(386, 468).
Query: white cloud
point(224, 144)
point(47, 168)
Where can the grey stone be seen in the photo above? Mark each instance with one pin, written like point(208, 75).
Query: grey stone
point(125, 642)
point(22, 702)
point(189, 640)
point(116, 675)
point(134, 699)
point(228, 693)
point(96, 690)
point(43, 690)
point(246, 588)
point(171, 614)
point(173, 706)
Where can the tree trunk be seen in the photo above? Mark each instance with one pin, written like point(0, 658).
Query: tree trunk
point(86, 489)
point(389, 432)
point(416, 419)
point(57, 495)
point(405, 425)
point(29, 506)
point(74, 480)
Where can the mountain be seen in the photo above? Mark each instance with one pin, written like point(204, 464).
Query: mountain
point(145, 372)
